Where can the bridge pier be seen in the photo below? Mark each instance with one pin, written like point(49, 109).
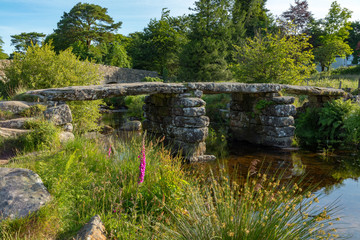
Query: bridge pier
point(262, 118)
point(181, 119)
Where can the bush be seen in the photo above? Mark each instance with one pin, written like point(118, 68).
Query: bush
point(273, 58)
point(86, 115)
point(134, 105)
point(41, 67)
point(43, 135)
point(325, 127)
point(347, 70)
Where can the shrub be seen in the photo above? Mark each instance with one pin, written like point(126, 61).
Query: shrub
point(41, 67)
point(86, 115)
point(324, 127)
point(274, 58)
point(134, 105)
point(43, 135)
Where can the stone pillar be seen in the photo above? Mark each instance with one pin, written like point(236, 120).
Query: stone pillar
point(265, 119)
point(181, 119)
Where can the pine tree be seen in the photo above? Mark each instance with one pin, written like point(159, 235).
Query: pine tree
point(203, 58)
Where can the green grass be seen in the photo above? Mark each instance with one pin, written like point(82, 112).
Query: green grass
point(171, 204)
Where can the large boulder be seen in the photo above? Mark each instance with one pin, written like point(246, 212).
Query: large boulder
point(15, 107)
point(132, 126)
point(59, 115)
point(93, 230)
point(21, 193)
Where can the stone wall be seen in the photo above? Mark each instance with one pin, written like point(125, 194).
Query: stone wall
point(113, 74)
point(181, 119)
point(265, 119)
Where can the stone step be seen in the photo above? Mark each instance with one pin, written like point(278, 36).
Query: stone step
point(17, 123)
point(11, 132)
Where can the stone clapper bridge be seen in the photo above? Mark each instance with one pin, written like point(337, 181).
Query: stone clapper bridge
point(258, 112)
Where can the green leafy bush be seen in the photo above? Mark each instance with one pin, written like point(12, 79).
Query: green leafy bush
point(86, 115)
point(324, 127)
point(43, 135)
point(273, 58)
point(134, 105)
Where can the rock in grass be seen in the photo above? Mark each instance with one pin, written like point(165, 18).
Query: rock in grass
point(59, 115)
point(66, 136)
point(10, 132)
point(17, 123)
point(15, 107)
point(21, 193)
point(132, 126)
point(93, 230)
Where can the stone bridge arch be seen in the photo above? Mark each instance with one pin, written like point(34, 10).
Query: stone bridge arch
point(258, 112)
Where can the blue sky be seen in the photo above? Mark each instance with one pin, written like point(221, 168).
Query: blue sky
point(17, 16)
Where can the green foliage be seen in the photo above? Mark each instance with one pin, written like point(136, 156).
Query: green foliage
point(262, 104)
point(319, 128)
point(203, 57)
point(158, 46)
point(86, 23)
point(329, 35)
point(33, 111)
point(151, 79)
point(2, 54)
point(347, 70)
point(214, 103)
point(24, 40)
point(41, 67)
point(273, 58)
point(326, 54)
point(5, 115)
point(134, 105)
point(86, 115)
point(354, 39)
point(43, 135)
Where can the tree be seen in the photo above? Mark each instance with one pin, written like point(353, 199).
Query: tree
point(203, 57)
point(24, 40)
point(158, 46)
point(86, 23)
point(327, 53)
point(329, 35)
point(298, 15)
point(354, 40)
point(2, 54)
point(273, 58)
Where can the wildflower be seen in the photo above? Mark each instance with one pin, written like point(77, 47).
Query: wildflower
point(109, 152)
point(142, 166)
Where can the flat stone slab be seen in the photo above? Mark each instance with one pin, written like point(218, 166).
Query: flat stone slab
point(21, 193)
point(123, 89)
point(15, 107)
point(11, 132)
point(17, 123)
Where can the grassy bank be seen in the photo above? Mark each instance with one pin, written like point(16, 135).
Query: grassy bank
point(86, 178)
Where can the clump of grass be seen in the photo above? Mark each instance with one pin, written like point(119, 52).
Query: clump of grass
point(33, 111)
point(5, 115)
point(263, 208)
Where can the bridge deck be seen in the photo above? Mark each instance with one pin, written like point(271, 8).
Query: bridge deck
point(94, 92)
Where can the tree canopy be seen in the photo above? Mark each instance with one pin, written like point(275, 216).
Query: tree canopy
point(3, 55)
point(24, 40)
point(86, 23)
point(299, 15)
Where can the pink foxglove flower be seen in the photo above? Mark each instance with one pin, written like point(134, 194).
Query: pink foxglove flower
point(142, 167)
point(109, 152)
